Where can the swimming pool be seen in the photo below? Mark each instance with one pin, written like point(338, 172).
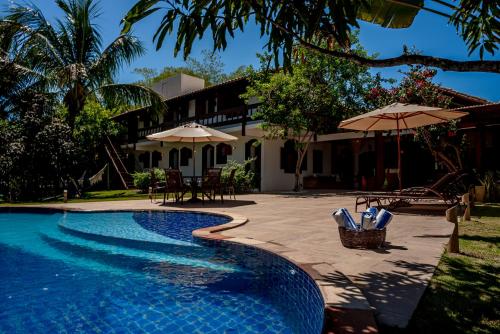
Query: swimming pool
point(142, 272)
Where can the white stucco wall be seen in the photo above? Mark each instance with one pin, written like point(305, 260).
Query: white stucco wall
point(273, 178)
point(178, 85)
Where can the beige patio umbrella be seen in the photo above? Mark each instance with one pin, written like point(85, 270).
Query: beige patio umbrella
point(191, 133)
point(400, 116)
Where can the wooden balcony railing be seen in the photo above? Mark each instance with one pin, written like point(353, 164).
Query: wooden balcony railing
point(228, 116)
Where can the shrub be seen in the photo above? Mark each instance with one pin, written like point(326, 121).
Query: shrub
point(37, 152)
point(244, 178)
point(142, 180)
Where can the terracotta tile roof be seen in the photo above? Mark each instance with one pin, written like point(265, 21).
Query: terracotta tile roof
point(471, 98)
point(484, 106)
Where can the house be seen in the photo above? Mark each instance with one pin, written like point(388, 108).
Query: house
point(342, 159)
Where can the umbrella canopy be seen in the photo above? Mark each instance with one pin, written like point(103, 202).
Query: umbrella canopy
point(191, 133)
point(399, 116)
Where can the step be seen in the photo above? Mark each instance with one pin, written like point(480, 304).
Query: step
point(122, 256)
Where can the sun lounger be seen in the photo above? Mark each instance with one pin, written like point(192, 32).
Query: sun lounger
point(446, 189)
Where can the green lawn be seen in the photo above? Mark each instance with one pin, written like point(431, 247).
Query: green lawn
point(464, 294)
point(95, 196)
point(99, 196)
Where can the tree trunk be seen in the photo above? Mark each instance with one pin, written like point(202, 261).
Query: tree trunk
point(438, 154)
point(74, 100)
point(301, 153)
point(298, 172)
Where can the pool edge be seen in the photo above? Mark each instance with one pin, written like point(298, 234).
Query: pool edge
point(338, 318)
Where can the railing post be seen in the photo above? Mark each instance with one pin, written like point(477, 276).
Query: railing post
point(244, 121)
point(452, 217)
point(466, 202)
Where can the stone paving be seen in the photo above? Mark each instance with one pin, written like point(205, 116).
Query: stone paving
point(388, 281)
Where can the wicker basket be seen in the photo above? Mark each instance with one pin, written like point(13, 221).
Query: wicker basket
point(362, 239)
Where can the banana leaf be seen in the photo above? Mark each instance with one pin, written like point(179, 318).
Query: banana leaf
point(389, 14)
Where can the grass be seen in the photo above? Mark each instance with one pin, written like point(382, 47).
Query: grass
point(95, 196)
point(98, 196)
point(464, 293)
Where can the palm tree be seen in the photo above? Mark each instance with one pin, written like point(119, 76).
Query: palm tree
point(17, 80)
point(68, 57)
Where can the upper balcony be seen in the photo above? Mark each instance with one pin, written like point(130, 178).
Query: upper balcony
point(229, 116)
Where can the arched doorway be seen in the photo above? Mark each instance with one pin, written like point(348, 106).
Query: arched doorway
point(222, 150)
point(173, 158)
point(207, 159)
point(253, 151)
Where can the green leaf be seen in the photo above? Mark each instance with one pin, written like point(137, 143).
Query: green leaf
point(140, 10)
point(390, 14)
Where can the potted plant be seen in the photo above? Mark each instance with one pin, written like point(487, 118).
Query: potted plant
point(479, 192)
point(486, 191)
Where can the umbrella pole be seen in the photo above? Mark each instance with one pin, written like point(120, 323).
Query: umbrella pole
point(194, 161)
point(399, 157)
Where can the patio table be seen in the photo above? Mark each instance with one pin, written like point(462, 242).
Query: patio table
point(194, 183)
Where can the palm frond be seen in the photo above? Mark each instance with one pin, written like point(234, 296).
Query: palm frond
point(114, 95)
point(85, 38)
point(122, 51)
point(29, 23)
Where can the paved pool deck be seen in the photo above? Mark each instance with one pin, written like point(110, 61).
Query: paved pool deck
point(387, 283)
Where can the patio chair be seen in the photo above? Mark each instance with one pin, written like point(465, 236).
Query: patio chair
point(174, 184)
point(230, 184)
point(211, 185)
point(447, 189)
point(155, 185)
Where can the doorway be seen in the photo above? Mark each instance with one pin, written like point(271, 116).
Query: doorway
point(207, 160)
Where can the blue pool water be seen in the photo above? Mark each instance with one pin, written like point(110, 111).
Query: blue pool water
point(142, 272)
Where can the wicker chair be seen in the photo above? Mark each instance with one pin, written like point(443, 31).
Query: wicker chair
point(230, 189)
point(174, 184)
point(155, 185)
point(211, 185)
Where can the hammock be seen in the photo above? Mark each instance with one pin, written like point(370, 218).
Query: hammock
point(92, 181)
point(97, 178)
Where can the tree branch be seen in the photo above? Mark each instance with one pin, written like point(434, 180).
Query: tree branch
point(405, 59)
point(442, 63)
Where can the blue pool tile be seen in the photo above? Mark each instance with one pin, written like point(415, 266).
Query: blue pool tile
point(88, 288)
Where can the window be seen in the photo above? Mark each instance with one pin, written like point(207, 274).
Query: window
point(317, 161)
point(186, 154)
point(173, 158)
point(289, 158)
point(144, 158)
point(221, 152)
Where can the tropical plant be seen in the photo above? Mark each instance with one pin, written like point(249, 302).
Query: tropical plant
point(323, 26)
point(37, 152)
point(17, 80)
point(417, 87)
point(92, 125)
point(244, 177)
point(311, 99)
point(488, 180)
point(142, 180)
point(69, 58)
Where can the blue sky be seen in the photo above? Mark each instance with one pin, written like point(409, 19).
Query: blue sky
point(430, 34)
